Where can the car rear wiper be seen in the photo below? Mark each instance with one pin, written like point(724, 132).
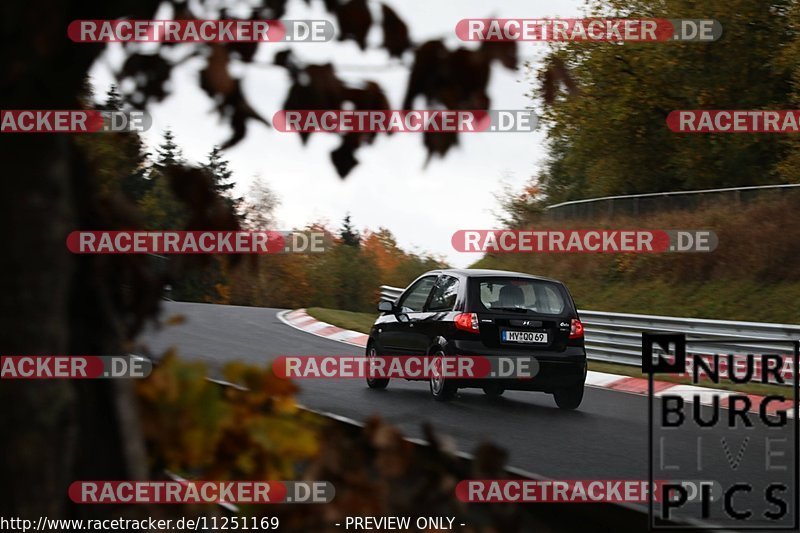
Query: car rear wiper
point(514, 309)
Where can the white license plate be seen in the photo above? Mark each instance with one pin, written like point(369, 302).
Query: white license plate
point(524, 336)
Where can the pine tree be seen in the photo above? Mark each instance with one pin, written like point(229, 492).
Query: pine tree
point(120, 158)
point(168, 152)
point(162, 209)
point(113, 99)
point(349, 234)
point(221, 176)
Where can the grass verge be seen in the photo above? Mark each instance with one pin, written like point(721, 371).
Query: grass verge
point(722, 300)
point(361, 322)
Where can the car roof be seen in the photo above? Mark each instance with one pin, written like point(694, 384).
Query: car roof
point(486, 273)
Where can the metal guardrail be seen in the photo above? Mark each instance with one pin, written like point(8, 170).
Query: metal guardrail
point(637, 204)
point(617, 337)
point(390, 293)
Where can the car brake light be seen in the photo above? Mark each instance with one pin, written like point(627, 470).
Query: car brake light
point(576, 329)
point(467, 322)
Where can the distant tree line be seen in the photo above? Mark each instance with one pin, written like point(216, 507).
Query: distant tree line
point(346, 276)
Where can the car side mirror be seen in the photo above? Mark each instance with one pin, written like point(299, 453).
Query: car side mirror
point(385, 306)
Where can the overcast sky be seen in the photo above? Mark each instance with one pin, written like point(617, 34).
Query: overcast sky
point(390, 187)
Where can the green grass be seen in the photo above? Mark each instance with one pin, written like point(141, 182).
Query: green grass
point(722, 300)
point(361, 322)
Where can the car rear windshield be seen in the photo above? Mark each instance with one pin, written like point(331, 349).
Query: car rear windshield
point(521, 294)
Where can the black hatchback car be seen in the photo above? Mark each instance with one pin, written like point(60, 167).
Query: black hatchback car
point(489, 313)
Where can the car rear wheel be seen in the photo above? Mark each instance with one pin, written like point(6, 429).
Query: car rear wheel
point(442, 389)
point(569, 397)
point(374, 383)
point(493, 391)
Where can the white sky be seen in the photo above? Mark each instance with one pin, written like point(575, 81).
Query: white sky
point(423, 207)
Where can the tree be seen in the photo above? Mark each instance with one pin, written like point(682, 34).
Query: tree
point(169, 153)
point(518, 209)
point(221, 176)
point(258, 206)
point(120, 158)
point(789, 58)
point(348, 234)
point(114, 100)
point(58, 303)
point(161, 208)
point(395, 266)
point(606, 103)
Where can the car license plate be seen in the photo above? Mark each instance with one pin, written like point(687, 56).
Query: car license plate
point(536, 337)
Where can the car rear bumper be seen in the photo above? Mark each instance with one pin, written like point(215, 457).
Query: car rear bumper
point(552, 370)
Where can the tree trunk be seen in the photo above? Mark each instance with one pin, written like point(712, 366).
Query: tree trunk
point(53, 432)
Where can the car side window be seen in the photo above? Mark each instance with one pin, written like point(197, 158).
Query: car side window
point(415, 297)
point(444, 294)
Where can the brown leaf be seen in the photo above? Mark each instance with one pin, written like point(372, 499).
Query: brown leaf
point(503, 51)
point(175, 320)
point(425, 77)
point(554, 74)
point(244, 50)
point(343, 158)
point(239, 111)
point(226, 91)
point(284, 58)
point(354, 20)
point(549, 86)
point(371, 97)
point(149, 73)
point(315, 87)
point(215, 79)
point(276, 9)
point(439, 143)
point(395, 32)
point(490, 460)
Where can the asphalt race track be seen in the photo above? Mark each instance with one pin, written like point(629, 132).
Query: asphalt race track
point(606, 438)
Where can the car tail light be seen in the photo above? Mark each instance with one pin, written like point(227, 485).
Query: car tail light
point(467, 322)
point(576, 329)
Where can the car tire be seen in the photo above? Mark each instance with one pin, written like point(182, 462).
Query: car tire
point(569, 397)
point(374, 383)
point(442, 389)
point(493, 391)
